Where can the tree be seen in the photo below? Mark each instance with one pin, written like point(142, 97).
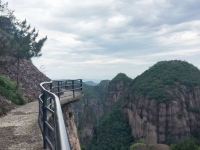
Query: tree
point(6, 27)
point(26, 45)
point(17, 38)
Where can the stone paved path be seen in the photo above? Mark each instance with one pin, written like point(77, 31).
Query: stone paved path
point(19, 129)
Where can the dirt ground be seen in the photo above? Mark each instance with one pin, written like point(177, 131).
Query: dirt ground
point(19, 129)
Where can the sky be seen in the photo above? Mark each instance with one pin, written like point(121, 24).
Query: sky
point(96, 39)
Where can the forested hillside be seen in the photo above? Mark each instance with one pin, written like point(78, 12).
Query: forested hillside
point(160, 106)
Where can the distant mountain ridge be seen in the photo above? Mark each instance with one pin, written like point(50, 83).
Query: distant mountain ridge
point(161, 106)
point(91, 83)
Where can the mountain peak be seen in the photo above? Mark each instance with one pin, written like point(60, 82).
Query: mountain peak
point(165, 75)
point(121, 77)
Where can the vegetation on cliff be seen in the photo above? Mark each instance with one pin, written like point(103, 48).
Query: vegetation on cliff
point(92, 105)
point(187, 144)
point(154, 84)
point(111, 129)
point(121, 77)
point(163, 76)
point(113, 132)
point(9, 91)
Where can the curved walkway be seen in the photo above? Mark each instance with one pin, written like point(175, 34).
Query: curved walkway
point(19, 129)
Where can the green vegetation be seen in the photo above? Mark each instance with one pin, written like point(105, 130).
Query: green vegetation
point(136, 146)
point(155, 82)
point(17, 38)
point(121, 77)
point(189, 144)
point(21, 40)
point(8, 90)
point(113, 132)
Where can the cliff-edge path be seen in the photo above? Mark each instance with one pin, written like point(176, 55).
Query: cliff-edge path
point(19, 129)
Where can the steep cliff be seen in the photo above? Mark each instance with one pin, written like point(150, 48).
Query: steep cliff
point(71, 127)
point(89, 110)
point(164, 103)
point(98, 102)
point(117, 90)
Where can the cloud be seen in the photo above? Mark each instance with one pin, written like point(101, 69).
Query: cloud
point(97, 39)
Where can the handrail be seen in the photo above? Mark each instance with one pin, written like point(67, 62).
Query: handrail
point(51, 120)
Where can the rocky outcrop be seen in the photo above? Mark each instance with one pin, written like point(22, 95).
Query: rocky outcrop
point(117, 90)
point(89, 110)
point(165, 122)
point(71, 127)
point(30, 77)
point(96, 102)
point(163, 104)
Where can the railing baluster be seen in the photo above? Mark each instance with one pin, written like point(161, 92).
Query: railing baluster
point(44, 97)
point(81, 86)
point(58, 89)
point(73, 88)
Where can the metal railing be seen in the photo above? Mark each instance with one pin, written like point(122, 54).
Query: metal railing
point(50, 117)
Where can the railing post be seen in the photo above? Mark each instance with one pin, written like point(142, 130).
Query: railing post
point(58, 89)
point(81, 82)
point(73, 88)
point(44, 98)
point(66, 85)
point(50, 86)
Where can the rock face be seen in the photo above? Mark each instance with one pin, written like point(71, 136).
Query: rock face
point(165, 122)
point(117, 90)
point(30, 77)
point(71, 127)
point(172, 112)
point(162, 104)
point(89, 110)
point(98, 101)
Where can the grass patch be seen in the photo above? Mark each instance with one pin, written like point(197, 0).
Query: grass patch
point(9, 91)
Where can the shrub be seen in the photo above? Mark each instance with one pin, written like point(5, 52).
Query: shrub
point(9, 91)
point(188, 144)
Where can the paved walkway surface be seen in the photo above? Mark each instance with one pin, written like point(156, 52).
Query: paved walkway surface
point(19, 129)
point(67, 97)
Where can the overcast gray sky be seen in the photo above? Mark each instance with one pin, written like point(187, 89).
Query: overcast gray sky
point(96, 39)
